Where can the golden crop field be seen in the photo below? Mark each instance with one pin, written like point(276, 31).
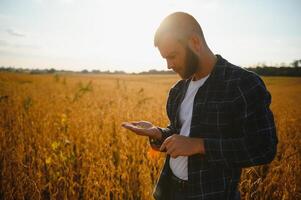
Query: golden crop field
point(60, 137)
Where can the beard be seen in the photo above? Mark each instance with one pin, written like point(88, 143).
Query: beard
point(191, 63)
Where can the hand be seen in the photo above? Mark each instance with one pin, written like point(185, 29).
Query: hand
point(179, 145)
point(143, 128)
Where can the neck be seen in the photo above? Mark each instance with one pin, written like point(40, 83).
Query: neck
point(206, 63)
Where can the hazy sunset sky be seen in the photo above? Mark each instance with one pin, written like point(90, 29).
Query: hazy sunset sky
point(118, 35)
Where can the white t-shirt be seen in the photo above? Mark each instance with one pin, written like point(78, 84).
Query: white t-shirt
point(179, 165)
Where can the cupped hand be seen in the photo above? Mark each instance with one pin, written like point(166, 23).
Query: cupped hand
point(143, 128)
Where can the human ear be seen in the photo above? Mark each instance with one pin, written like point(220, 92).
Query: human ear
point(195, 43)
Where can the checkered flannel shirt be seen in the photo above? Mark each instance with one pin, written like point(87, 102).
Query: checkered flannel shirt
point(231, 113)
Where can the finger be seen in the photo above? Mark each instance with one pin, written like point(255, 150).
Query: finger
point(174, 155)
point(135, 123)
point(130, 127)
point(163, 146)
point(124, 123)
point(137, 130)
point(172, 151)
point(171, 148)
point(165, 143)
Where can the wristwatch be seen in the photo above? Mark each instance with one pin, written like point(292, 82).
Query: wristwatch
point(155, 143)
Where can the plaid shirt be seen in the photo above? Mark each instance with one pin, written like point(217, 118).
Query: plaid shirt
point(231, 113)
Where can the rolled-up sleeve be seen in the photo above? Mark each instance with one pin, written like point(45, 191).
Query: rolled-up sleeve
point(254, 122)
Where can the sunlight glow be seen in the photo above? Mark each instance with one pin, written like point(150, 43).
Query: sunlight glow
point(118, 35)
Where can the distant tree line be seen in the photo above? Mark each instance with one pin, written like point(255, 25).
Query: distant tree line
point(293, 69)
point(84, 71)
point(273, 71)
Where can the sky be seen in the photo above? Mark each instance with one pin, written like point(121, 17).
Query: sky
point(118, 35)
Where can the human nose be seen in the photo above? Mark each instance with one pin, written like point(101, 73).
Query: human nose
point(169, 64)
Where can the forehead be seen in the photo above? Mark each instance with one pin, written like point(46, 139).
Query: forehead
point(169, 44)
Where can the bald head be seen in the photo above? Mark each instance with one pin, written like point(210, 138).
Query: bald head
point(181, 25)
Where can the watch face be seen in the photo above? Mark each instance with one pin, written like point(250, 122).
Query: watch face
point(156, 144)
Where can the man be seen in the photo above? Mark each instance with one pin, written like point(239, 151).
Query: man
point(220, 121)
